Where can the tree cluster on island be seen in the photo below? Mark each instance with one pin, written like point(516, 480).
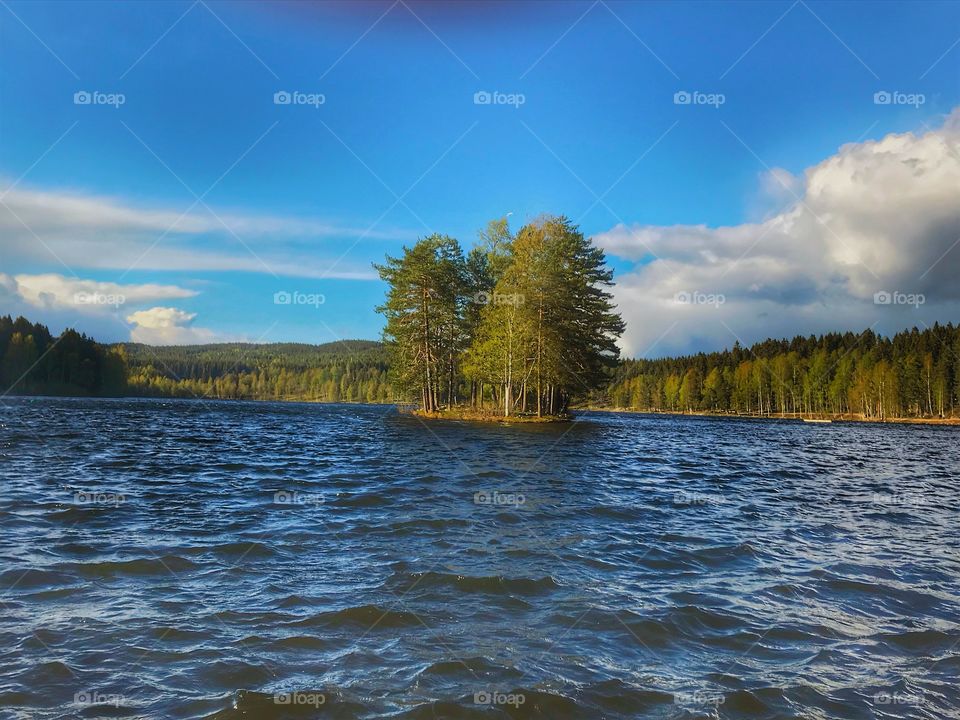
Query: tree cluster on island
point(520, 325)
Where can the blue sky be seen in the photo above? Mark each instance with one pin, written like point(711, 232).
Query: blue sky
point(302, 198)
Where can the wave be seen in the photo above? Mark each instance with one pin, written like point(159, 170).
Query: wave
point(473, 668)
point(666, 627)
point(608, 699)
point(928, 641)
point(361, 500)
point(490, 585)
point(25, 578)
point(166, 565)
point(244, 550)
point(408, 526)
point(365, 616)
point(46, 673)
point(230, 674)
point(300, 642)
point(288, 704)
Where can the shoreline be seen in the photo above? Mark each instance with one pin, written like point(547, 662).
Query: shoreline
point(470, 415)
point(832, 417)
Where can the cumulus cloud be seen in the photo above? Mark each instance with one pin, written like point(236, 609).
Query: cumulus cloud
point(89, 231)
point(167, 326)
point(51, 290)
point(877, 217)
point(105, 309)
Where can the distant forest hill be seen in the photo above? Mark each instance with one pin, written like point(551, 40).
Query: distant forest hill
point(916, 373)
point(344, 371)
point(33, 362)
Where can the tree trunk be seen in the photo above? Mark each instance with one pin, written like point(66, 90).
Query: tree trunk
point(540, 360)
point(508, 389)
point(450, 397)
point(428, 403)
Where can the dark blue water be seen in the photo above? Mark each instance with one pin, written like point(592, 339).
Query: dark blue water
point(184, 559)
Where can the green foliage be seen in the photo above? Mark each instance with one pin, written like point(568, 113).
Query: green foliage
point(425, 331)
point(346, 371)
point(526, 318)
point(32, 362)
point(914, 374)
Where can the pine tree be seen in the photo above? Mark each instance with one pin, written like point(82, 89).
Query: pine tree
point(424, 311)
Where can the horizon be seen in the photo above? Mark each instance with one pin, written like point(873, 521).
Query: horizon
point(379, 341)
point(739, 195)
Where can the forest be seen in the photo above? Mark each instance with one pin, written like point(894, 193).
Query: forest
point(33, 362)
point(520, 325)
point(344, 371)
point(916, 373)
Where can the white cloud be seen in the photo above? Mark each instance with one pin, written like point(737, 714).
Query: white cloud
point(58, 291)
point(777, 189)
point(95, 307)
point(168, 326)
point(879, 215)
point(89, 231)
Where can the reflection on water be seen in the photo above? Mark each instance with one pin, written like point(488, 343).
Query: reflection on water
point(236, 560)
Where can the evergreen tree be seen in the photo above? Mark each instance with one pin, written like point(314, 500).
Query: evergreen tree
point(540, 323)
point(425, 329)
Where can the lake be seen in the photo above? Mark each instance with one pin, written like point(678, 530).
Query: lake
point(187, 559)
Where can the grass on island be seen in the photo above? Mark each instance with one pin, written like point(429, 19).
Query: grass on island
point(478, 415)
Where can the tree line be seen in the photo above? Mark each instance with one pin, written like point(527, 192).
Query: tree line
point(916, 373)
point(32, 361)
point(345, 371)
point(523, 322)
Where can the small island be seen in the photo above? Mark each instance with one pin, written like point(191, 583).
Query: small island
point(515, 329)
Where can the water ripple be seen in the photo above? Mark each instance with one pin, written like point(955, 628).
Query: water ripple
point(240, 560)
